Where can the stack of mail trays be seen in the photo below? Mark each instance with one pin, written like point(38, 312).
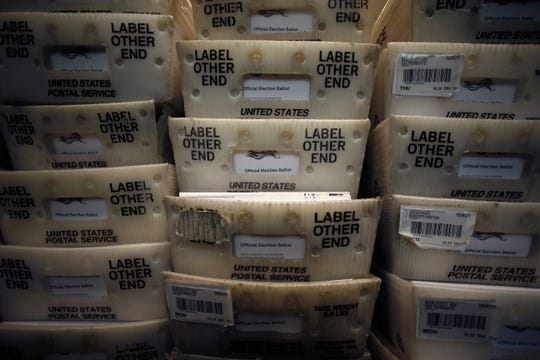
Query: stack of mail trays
point(85, 94)
point(456, 156)
point(270, 246)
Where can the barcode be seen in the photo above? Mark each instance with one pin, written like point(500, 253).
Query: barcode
point(427, 75)
point(452, 321)
point(436, 229)
point(199, 306)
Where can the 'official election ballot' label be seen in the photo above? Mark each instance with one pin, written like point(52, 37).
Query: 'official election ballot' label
point(268, 154)
point(273, 79)
point(487, 91)
point(269, 247)
point(59, 137)
point(286, 20)
point(491, 166)
point(281, 21)
point(77, 285)
point(78, 58)
point(511, 12)
point(263, 323)
point(518, 337)
point(499, 244)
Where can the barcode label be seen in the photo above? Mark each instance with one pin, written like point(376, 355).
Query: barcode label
point(450, 321)
point(206, 304)
point(438, 228)
point(434, 229)
point(455, 320)
point(428, 74)
point(414, 76)
point(199, 306)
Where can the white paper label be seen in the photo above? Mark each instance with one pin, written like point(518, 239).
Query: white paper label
point(274, 196)
point(487, 91)
point(77, 58)
point(428, 74)
point(437, 228)
point(270, 162)
point(518, 337)
point(75, 144)
point(270, 247)
point(454, 320)
point(277, 87)
point(77, 356)
point(511, 12)
point(281, 324)
point(281, 21)
point(497, 244)
point(491, 167)
point(77, 286)
point(75, 209)
point(205, 304)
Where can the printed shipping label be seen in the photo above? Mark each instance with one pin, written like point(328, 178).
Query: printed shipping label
point(491, 167)
point(428, 74)
point(77, 286)
point(493, 12)
point(271, 162)
point(270, 247)
point(282, 324)
point(75, 144)
point(487, 91)
point(76, 209)
point(437, 228)
point(281, 21)
point(203, 304)
point(454, 320)
point(497, 244)
point(518, 337)
point(277, 87)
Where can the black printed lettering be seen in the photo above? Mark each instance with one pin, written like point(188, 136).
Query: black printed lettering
point(201, 141)
point(338, 67)
point(212, 64)
point(133, 39)
point(430, 148)
point(450, 4)
point(326, 149)
point(130, 272)
point(16, 200)
point(132, 197)
point(16, 37)
point(15, 273)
